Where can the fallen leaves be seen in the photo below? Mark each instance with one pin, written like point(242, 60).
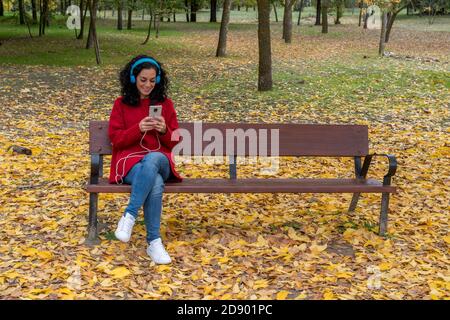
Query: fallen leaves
point(246, 246)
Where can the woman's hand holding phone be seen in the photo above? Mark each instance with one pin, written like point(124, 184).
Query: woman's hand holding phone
point(150, 123)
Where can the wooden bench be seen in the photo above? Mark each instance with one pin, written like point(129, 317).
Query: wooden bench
point(294, 140)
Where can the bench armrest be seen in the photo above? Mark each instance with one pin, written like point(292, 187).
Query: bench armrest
point(391, 171)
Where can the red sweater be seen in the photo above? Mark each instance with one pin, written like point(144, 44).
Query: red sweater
point(125, 137)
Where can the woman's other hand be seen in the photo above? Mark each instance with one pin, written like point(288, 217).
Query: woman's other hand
point(159, 124)
point(147, 124)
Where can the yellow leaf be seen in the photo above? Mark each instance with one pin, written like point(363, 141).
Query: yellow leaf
point(260, 284)
point(165, 289)
point(162, 268)
point(447, 239)
point(316, 249)
point(301, 296)
point(120, 272)
point(282, 295)
point(293, 235)
point(385, 266)
point(67, 293)
point(45, 254)
point(11, 274)
point(223, 260)
point(329, 295)
point(106, 283)
point(29, 252)
point(345, 275)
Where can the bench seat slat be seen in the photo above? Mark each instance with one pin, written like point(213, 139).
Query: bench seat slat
point(257, 186)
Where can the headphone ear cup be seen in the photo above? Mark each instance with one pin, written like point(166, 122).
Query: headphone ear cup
point(132, 79)
point(158, 79)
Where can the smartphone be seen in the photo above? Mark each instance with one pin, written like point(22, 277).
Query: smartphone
point(155, 111)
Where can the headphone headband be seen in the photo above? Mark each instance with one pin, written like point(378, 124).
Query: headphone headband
point(140, 61)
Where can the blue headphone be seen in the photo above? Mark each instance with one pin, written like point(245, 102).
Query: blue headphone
point(142, 60)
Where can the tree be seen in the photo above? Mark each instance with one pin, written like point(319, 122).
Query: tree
point(383, 33)
point(83, 5)
point(1, 8)
point(264, 46)
point(130, 14)
point(275, 9)
point(150, 5)
point(318, 12)
point(300, 11)
point(287, 20)
point(194, 9)
point(339, 5)
point(92, 38)
point(213, 17)
point(43, 17)
point(392, 13)
point(21, 12)
point(34, 11)
point(119, 15)
point(222, 45)
point(325, 6)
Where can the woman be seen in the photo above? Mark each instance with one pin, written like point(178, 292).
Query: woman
point(142, 147)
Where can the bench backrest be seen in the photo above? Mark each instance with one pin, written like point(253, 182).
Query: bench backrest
point(294, 139)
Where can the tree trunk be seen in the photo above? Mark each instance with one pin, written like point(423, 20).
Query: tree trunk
point(158, 21)
point(300, 12)
point(92, 30)
point(390, 22)
point(40, 17)
point(338, 13)
point(222, 45)
point(324, 16)
point(194, 10)
point(318, 11)
point(264, 46)
point(130, 15)
point(34, 11)
point(21, 12)
point(28, 26)
point(119, 15)
point(287, 21)
point(275, 11)
point(186, 7)
point(43, 17)
point(383, 33)
point(213, 17)
point(360, 16)
point(366, 18)
point(83, 5)
point(149, 29)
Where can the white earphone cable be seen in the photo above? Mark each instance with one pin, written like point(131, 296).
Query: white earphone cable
point(134, 155)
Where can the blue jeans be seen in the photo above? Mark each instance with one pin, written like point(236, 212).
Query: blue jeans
point(147, 179)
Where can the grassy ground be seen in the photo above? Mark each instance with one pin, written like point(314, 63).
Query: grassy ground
point(229, 246)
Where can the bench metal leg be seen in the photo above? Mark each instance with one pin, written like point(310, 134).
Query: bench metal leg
point(384, 213)
point(354, 202)
point(92, 237)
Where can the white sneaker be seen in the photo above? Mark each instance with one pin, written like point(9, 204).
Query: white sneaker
point(124, 228)
point(157, 252)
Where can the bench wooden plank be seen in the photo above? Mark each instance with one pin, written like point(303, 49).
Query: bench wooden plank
point(257, 186)
point(294, 139)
